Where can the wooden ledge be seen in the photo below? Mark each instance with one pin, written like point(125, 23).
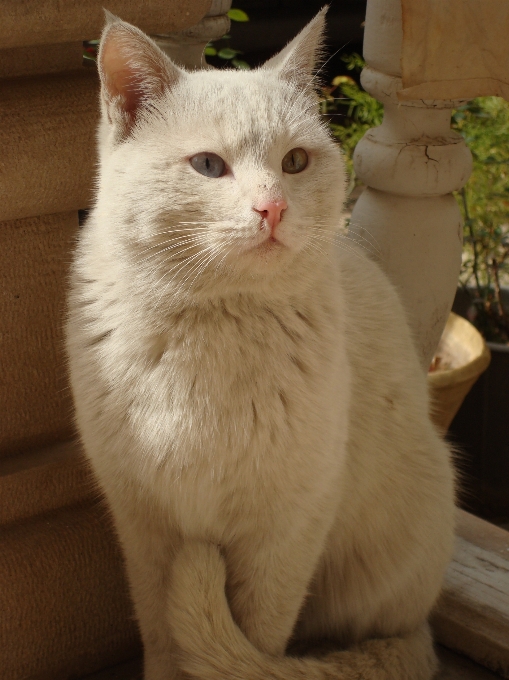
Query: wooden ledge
point(452, 667)
point(472, 614)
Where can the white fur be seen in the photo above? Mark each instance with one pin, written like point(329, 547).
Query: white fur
point(263, 399)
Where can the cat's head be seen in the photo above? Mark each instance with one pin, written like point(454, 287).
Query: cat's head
point(216, 180)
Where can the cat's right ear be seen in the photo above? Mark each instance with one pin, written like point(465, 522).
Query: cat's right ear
point(134, 72)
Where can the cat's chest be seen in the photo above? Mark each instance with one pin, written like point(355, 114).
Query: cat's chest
point(226, 412)
point(237, 379)
point(254, 410)
point(222, 356)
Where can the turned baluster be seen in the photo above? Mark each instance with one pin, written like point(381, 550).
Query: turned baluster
point(407, 216)
point(186, 47)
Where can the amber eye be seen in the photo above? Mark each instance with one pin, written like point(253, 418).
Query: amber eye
point(208, 164)
point(294, 161)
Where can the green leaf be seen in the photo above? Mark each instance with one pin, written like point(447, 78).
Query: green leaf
point(210, 51)
point(242, 65)
point(237, 15)
point(227, 53)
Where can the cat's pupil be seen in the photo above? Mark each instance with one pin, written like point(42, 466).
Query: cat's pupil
point(295, 161)
point(208, 164)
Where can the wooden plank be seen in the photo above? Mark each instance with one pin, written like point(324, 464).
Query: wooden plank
point(472, 615)
point(483, 534)
point(452, 667)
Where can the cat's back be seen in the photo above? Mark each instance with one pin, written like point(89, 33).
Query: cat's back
point(392, 442)
point(380, 344)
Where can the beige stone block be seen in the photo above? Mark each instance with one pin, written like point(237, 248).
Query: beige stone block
point(37, 22)
point(48, 143)
point(454, 50)
point(35, 400)
point(64, 602)
point(40, 481)
point(22, 61)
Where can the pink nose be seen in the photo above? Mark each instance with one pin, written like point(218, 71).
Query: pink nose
point(271, 211)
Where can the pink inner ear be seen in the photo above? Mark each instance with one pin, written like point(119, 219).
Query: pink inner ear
point(120, 79)
point(133, 71)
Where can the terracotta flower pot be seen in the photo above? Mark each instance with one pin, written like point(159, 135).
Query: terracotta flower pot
point(463, 356)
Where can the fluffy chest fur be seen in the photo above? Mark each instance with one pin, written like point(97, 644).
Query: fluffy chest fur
point(232, 404)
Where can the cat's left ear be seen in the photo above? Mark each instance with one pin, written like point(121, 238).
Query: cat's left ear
point(297, 61)
point(134, 72)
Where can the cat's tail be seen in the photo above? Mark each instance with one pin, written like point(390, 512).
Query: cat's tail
point(212, 646)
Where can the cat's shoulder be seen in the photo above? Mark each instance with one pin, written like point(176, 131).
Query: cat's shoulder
point(365, 285)
point(376, 323)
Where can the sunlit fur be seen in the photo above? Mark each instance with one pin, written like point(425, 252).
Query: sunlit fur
point(253, 408)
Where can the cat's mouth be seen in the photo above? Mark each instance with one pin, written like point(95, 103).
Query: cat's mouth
point(268, 245)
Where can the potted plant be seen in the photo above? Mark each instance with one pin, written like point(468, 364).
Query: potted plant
point(481, 427)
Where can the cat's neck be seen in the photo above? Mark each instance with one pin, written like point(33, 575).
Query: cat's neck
point(281, 293)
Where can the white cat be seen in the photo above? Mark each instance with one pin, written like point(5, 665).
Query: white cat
point(246, 385)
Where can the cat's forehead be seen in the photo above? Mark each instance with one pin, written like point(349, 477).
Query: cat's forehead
point(240, 110)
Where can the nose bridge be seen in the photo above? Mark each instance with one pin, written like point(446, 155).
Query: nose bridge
point(263, 184)
point(269, 188)
point(264, 190)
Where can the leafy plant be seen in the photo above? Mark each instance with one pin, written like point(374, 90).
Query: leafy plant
point(90, 49)
point(222, 48)
point(484, 201)
point(237, 15)
point(351, 113)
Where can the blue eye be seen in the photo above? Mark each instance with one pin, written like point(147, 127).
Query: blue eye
point(208, 164)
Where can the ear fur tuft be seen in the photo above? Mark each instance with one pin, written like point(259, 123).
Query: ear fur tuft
point(298, 60)
point(109, 17)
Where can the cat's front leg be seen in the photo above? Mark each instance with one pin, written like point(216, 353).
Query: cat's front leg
point(149, 548)
point(267, 582)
